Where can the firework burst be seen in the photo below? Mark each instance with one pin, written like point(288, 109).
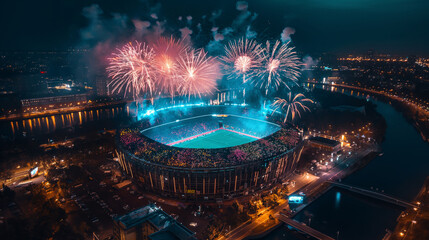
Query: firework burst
point(280, 64)
point(242, 58)
point(168, 52)
point(292, 106)
point(131, 69)
point(199, 73)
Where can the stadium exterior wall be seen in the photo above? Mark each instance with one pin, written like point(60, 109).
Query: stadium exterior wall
point(209, 184)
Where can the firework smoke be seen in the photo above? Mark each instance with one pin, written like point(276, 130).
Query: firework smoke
point(286, 34)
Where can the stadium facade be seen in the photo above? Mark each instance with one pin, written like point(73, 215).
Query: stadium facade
point(266, 162)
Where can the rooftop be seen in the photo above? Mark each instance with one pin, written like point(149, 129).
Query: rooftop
point(324, 141)
point(168, 228)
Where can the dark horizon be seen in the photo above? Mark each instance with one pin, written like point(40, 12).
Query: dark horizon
point(397, 27)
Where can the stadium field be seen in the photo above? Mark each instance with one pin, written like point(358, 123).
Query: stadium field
point(218, 139)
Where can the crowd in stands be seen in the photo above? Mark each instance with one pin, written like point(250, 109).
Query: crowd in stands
point(143, 147)
point(151, 144)
point(176, 131)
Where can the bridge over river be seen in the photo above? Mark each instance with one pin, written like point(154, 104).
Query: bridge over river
point(376, 195)
point(303, 228)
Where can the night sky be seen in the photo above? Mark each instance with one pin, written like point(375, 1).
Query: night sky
point(337, 26)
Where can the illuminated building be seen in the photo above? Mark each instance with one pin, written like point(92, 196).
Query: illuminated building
point(209, 174)
point(325, 143)
point(149, 222)
point(45, 103)
point(101, 85)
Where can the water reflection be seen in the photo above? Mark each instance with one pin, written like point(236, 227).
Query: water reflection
point(337, 200)
point(49, 124)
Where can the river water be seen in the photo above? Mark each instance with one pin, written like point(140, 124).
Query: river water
point(50, 124)
point(400, 172)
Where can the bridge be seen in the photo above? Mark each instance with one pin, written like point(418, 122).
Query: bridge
point(303, 228)
point(376, 195)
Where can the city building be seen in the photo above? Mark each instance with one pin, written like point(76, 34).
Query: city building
point(54, 102)
point(325, 143)
point(149, 222)
point(101, 85)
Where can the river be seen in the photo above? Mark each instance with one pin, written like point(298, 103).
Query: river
point(103, 117)
point(400, 172)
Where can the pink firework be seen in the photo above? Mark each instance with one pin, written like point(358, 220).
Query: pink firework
point(280, 65)
point(168, 53)
point(291, 105)
point(242, 58)
point(199, 73)
point(131, 69)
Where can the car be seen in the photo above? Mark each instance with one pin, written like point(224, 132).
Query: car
point(126, 207)
point(140, 197)
point(193, 224)
point(94, 220)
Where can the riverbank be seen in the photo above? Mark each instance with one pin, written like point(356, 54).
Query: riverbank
point(25, 116)
point(414, 114)
point(413, 223)
point(315, 190)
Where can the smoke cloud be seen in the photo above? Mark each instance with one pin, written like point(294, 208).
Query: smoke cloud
point(214, 16)
point(286, 34)
point(219, 37)
point(185, 34)
point(250, 34)
point(92, 13)
point(141, 27)
point(189, 19)
point(309, 62)
point(242, 5)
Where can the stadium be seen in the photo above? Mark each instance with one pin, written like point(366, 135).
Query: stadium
point(208, 152)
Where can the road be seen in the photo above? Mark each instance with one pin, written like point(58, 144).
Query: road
point(243, 230)
point(20, 177)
